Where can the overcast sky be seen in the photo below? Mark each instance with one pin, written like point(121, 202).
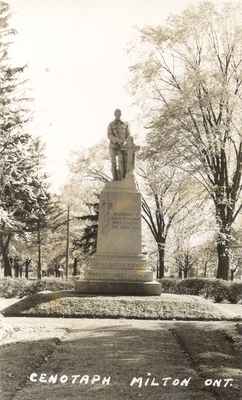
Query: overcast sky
point(78, 66)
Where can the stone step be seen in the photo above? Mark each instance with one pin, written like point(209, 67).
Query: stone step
point(152, 288)
point(119, 275)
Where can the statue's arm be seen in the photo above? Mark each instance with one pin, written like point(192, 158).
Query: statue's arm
point(127, 131)
point(111, 136)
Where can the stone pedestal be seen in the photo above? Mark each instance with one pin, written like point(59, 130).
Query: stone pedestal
point(118, 266)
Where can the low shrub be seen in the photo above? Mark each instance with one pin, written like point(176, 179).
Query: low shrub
point(216, 289)
point(10, 287)
point(57, 284)
point(191, 286)
point(235, 292)
point(13, 287)
point(168, 285)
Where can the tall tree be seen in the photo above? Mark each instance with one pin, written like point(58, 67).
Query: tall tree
point(191, 72)
point(87, 242)
point(22, 193)
point(205, 254)
point(24, 197)
point(184, 261)
point(51, 237)
point(88, 174)
point(166, 200)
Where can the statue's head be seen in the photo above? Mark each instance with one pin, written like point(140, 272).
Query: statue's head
point(117, 113)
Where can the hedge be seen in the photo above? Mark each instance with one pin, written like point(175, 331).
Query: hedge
point(216, 289)
point(10, 287)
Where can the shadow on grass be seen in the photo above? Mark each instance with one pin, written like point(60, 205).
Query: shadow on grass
point(18, 360)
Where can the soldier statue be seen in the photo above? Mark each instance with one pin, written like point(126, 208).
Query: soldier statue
point(122, 148)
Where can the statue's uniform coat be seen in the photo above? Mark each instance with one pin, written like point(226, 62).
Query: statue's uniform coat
point(118, 133)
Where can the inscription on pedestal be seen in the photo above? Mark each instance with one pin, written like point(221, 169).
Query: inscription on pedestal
point(125, 221)
point(106, 207)
point(120, 212)
point(119, 224)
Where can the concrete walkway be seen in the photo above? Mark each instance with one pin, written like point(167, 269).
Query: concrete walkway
point(234, 309)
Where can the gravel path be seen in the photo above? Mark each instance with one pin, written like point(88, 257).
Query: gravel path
point(122, 350)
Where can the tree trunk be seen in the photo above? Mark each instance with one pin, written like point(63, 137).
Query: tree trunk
point(223, 260)
point(185, 273)
point(74, 273)
point(16, 270)
point(4, 250)
point(205, 269)
point(161, 260)
point(67, 240)
point(39, 252)
point(26, 271)
point(6, 264)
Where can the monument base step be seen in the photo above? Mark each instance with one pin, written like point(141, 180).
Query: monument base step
point(122, 288)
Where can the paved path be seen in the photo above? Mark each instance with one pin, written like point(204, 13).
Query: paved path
point(234, 309)
point(121, 349)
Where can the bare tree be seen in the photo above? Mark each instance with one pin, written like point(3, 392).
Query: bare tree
point(192, 69)
point(184, 262)
point(166, 200)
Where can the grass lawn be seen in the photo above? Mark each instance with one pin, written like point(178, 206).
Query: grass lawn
point(164, 307)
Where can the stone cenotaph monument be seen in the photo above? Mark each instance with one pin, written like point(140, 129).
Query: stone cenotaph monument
point(118, 267)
